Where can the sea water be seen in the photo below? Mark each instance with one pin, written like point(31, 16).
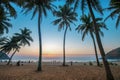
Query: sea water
point(69, 58)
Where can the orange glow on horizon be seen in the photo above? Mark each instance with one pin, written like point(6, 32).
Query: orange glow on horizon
point(52, 50)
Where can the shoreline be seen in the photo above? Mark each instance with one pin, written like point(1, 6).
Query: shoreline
point(91, 63)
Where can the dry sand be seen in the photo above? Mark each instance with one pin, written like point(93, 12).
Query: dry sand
point(51, 71)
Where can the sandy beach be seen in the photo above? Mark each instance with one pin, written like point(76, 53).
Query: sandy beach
point(54, 71)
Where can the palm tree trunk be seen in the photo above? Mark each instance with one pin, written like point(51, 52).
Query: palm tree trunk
point(40, 44)
point(109, 75)
point(96, 54)
point(11, 57)
point(64, 46)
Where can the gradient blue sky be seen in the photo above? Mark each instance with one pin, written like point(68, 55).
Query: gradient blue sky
point(52, 39)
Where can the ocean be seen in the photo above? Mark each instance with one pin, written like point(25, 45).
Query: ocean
point(69, 58)
point(80, 58)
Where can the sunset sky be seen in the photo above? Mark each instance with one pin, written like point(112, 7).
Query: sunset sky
point(52, 39)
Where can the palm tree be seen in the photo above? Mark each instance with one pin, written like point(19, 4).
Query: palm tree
point(20, 39)
point(95, 4)
point(115, 8)
point(14, 44)
point(24, 37)
point(40, 7)
point(10, 45)
point(66, 16)
point(87, 28)
point(15, 47)
point(4, 21)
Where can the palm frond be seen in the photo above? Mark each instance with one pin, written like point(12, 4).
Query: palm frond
point(115, 8)
point(61, 25)
point(12, 11)
point(76, 5)
point(118, 21)
point(69, 2)
point(84, 34)
point(96, 5)
point(83, 5)
point(55, 22)
point(34, 12)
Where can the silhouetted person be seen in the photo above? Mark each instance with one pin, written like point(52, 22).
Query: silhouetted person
point(18, 63)
point(29, 61)
point(71, 63)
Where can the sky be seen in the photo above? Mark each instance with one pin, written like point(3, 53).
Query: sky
point(52, 39)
